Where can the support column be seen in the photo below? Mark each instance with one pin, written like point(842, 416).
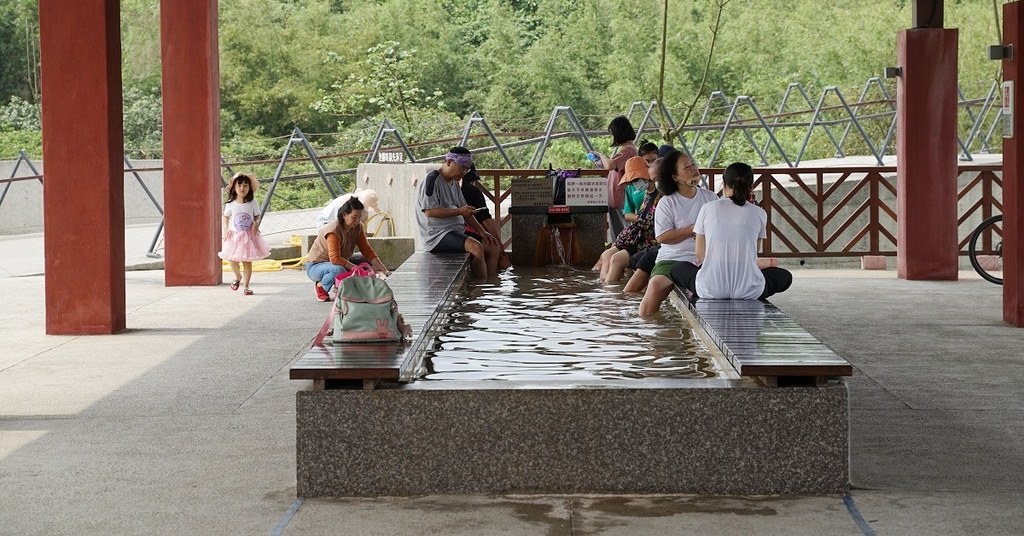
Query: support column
point(1013, 151)
point(83, 187)
point(191, 101)
point(926, 152)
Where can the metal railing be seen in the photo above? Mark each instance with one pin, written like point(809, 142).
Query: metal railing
point(812, 212)
point(839, 120)
point(824, 212)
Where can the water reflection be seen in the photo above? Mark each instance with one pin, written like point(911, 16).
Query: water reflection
point(560, 323)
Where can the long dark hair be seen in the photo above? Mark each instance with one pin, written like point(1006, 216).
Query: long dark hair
point(665, 179)
point(739, 177)
point(240, 178)
point(348, 207)
point(621, 130)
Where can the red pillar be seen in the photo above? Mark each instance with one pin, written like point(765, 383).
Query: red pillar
point(191, 99)
point(83, 188)
point(1013, 150)
point(926, 152)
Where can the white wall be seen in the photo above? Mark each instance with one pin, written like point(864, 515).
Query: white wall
point(22, 209)
point(397, 185)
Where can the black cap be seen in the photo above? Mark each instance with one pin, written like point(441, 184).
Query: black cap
point(471, 175)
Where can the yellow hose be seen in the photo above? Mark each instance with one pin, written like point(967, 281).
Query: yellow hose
point(384, 217)
point(272, 265)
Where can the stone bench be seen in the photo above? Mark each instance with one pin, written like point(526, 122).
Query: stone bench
point(762, 341)
point(422, 285)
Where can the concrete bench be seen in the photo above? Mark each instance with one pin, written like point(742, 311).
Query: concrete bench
point(422, 285)
point(762, 341)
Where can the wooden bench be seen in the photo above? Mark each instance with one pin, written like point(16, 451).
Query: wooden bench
point(760, 340)
point(422, 285)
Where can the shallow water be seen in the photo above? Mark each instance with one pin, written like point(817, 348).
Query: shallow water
point(561, 323)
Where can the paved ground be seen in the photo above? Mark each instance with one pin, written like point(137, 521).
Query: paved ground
point(185, 423)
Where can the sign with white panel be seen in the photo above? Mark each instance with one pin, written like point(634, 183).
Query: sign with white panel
point(586, 192)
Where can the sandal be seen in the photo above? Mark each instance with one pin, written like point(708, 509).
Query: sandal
point(247, 292)
point(234, 284)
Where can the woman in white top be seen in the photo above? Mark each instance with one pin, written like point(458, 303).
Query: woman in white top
point(677, 180)
point(728, 236)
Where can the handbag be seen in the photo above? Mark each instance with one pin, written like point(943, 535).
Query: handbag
point(632, 237)
point(558, 187)
point(639, 234)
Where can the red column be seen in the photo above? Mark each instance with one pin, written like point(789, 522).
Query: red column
point(83, 188)
point(1013, 150)
point(927, 154)
point(191, 99)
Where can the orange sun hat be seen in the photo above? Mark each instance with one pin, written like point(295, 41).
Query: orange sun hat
point(636, 168)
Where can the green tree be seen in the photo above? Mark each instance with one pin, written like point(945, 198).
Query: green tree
point(19, 50)
point(140, 45)
point(389, 84)
point(270, 63)
point(511, 60)
point(143, 122)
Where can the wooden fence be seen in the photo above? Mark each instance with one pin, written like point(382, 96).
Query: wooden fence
point(824, 212)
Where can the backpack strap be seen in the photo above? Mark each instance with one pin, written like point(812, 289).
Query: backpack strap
point(319, 339)
point(362, 269)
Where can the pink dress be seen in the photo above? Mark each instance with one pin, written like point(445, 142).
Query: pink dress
point(242, 243)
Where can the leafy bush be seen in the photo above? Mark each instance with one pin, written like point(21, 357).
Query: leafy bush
point(16, 140)
point(143, 122)
point(19, 114)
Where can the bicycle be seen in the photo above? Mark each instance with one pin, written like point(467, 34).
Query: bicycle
point(989, 230)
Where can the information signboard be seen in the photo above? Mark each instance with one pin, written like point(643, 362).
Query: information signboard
point(586, 192)
point(531, 192)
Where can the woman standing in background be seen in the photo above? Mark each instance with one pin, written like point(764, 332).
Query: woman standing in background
point(623, 134)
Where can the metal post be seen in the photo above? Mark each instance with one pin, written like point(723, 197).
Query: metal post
point(478, 118)
point(22, 157)
point(538, 154)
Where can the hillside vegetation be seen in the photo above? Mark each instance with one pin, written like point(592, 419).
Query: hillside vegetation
point(335, 68)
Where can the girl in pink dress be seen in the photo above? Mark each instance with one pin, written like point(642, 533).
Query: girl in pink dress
point(241, 230)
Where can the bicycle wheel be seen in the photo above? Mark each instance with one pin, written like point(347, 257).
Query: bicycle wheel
point(990, 234)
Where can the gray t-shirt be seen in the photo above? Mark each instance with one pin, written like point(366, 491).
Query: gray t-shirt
point(436, 192)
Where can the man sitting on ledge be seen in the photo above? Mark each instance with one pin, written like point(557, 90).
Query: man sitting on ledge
point(443, 214)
